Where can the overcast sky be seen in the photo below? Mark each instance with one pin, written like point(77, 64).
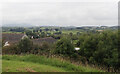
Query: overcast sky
point(60, 13)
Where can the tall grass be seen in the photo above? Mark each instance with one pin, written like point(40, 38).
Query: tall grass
point(48, 61)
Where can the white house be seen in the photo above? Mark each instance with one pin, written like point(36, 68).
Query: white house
point(76, 48)
point(32, 37)
point(6, 44)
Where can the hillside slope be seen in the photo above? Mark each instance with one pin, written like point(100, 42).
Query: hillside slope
point(18, 66)
point(34, 63)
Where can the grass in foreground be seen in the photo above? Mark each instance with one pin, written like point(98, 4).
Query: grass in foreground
point(27, 63)
point(18, 66)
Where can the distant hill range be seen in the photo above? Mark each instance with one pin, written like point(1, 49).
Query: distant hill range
point(21, 27)
point(17, 25)
point(29, 25)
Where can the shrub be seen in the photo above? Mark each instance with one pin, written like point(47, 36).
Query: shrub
point(12, 49)
point(100, 48)
point(65, 47)
point(25, 45)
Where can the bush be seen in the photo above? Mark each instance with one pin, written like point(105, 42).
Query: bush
point(100, 48)
point(25, 45)
point(65, 47)
point(12, 49)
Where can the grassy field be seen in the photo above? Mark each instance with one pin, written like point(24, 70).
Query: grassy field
point(34, 63)
point(12, 32)
point(70, 31)
point(18, 66)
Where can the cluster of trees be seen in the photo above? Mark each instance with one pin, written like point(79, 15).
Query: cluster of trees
point(65, 47)
point(100, 48)
point(20, 29)
point(43, 34)
point(95, 48)
point(30, 34)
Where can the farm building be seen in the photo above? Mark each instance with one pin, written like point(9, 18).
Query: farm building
point(12, 38)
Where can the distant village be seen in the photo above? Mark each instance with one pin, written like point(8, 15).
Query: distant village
point(38, 35)
point(15, 38)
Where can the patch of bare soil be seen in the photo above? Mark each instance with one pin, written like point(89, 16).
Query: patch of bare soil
point(19, 69)
point(29, 70)
point(26, 69)
point(7, 69)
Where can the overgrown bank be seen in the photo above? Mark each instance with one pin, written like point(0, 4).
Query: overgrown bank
point(60, 66)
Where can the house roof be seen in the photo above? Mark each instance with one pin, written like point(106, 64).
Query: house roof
point(12, 37)
point(46, 39)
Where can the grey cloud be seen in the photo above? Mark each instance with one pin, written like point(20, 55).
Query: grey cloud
point(62, 14)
